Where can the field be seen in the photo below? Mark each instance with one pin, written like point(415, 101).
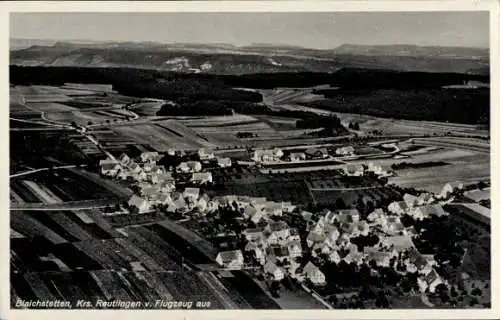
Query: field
point(163, 135)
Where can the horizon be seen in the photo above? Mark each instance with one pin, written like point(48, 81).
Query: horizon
point(77, 41)
point(323, 30)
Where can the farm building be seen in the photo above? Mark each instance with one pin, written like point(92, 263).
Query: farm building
point(297, 156)
point(314, 274)
point(378, 169)
point(314, 153)
point(230, 259)
point(345, 151)
point(224, 162)
point(355, 170)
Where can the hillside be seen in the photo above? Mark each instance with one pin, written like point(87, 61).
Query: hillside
point(228, 59)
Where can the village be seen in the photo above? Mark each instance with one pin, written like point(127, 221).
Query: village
point(278, 240)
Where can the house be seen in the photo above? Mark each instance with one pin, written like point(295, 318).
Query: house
point(393, 226)
point(377, 169)
point(202, 177)
point(314, 237)
point(189, 167)
point(230, 259)
point(150, 193)
point(294, 235)
point(110, 169)
point(316, 154)
point(398, 207)
point(191, 193)
point(429, 281)
point(354, 257)
point(410, 200)
point(274, 208)
point(287, 207)
point(425, 198)
point(278, 232)
point(345, 151)
point(257, 215)
point(150, 156)
point(149, 167)
point(297, 156)
point(163, 199)
point(162, 178)
point(295, 249)
point(314, 274)
point(278, 253)
point(265, 156)
point(124, 159)
point(253, 234)
point(350, 229)
point(426, 211)
point(306, 215)
point(364, 228)
point(355, 170)
point(451, 187)
point(416, 262)
point(141, 204)
point(212, 206)
point(257, 250)
point(320, 248)
point(274, 271)
point(204, 154)
point(381, 258)
point(376, 215)
point(400, 243)
point(224, 162)
point(134, 167)
point(334, 257)
point(348, 215)
point(202, 203)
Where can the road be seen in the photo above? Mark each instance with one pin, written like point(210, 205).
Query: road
point(20, 174)
point(66, 206)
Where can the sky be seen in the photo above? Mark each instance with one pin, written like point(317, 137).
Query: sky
point(322, 30)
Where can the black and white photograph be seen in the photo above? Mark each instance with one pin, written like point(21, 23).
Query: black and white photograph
point(250, 160)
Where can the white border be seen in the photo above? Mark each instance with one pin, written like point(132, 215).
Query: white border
point(246, 6)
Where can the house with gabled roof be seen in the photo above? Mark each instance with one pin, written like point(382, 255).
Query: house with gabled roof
point(398, 207)
point(376, 215)
point(354, 170)
point(224, 162)
point(232, 259)
point(314, 153)
point(410, 200)
point(314, 237)
point(381, 258)
point(205, 154)
point(191, 193)
point(393, 226)
point(400, 243)
point(150, 156)
point(134, 167)
point(294, 249)
point(334, 257)
point(278, 228)
point(257, 250)
point(274, 271)
point(347, 215)
point(278, 253)
point(345, 151)
point(451, 187)
point(140, 203)
point(429, 281)
point(253, 234)
point(110, 169)
point(297, 156)
point(124, 159)
point(201, 177)
point(425, 198)
point(189, 167)
point(314, 274)
point(415, 261)
point(426, 211)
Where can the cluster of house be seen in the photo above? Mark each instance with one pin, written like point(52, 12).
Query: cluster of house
point(275, 247)
point(276, 154)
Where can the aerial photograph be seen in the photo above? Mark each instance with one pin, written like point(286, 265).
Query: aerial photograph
point(249, 160)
